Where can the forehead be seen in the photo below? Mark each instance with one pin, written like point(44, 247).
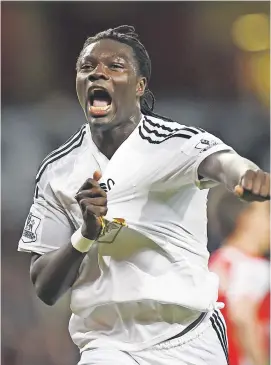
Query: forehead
point(109, 48)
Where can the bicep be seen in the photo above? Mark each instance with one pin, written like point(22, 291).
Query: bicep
point(225, 167)
point(222, 167)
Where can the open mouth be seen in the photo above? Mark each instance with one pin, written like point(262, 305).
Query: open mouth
point(99, 102)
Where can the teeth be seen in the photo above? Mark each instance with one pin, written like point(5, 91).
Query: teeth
point(99, 110)
point(100, 107)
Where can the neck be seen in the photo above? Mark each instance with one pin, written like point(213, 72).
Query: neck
point(109, 140)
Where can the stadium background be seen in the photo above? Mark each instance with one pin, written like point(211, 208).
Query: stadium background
point(210, 64)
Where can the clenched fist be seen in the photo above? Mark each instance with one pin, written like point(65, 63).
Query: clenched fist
point(93, 203)
point(254, 186)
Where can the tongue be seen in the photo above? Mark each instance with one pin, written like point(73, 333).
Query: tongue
point(100, 103)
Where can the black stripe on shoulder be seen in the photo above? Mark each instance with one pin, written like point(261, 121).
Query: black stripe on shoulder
point(154, 136)
point(193, 130)
point(162, 126)
point(65, 145)
point(155, 132)
point(75, 143)
point(75, 137)
point(150, 140)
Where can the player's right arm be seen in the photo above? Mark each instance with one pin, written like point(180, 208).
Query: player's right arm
point(56, 258)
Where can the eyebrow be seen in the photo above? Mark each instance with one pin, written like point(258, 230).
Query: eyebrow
point(120, 57)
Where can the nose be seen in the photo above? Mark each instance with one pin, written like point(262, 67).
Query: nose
point(99, 73)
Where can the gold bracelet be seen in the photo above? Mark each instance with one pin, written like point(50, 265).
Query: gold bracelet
point(103, 226)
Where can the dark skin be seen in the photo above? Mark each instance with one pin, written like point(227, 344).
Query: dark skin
point(112, 66)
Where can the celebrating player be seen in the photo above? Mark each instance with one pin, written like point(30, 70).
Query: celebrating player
point(119, 216)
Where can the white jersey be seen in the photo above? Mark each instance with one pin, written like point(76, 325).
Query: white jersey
point(152, 281)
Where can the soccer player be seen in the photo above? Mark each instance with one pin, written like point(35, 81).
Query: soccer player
point(243, 270)
point(119, 216)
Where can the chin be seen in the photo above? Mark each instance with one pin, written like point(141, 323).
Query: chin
point(102, 122)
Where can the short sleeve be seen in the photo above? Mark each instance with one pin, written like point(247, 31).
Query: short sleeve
point(194, 151)
point(47, 226)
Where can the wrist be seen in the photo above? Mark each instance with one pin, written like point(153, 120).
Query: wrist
point(91, 233)
point(81, 243)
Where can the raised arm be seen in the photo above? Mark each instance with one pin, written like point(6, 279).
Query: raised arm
point(239, 175)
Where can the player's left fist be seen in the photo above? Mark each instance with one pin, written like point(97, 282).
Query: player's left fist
point(254, 186)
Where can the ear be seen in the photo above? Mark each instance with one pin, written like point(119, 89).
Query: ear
point(141, 86)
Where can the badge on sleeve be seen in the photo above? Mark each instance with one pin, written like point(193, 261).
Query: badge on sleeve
point(205, 144)
point(30, 228)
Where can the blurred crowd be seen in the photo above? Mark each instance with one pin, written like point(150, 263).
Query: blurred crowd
point(218, 80)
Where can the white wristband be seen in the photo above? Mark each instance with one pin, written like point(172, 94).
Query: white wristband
point(80, 243)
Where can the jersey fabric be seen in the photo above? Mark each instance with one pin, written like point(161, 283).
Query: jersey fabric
point(242, 276)
point(204, 345)
point(152, 281)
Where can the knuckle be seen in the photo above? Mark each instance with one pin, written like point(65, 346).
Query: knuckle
point(95, 191)
point(102, 194)
point(99, 192)
point(89, 209)
point(78, 196)
point(82, 202)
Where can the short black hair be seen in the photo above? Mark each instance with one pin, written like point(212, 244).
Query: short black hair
point(126, 34)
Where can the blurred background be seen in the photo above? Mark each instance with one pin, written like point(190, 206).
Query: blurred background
point(219, 79)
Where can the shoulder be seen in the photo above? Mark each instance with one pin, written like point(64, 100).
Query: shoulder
point(58, 159)
point(159, 130)
point(190, 140)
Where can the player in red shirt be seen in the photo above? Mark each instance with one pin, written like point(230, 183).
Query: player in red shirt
point(243, 269)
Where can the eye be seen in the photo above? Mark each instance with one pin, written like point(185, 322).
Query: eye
point(86, 66)
point(116, 66)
